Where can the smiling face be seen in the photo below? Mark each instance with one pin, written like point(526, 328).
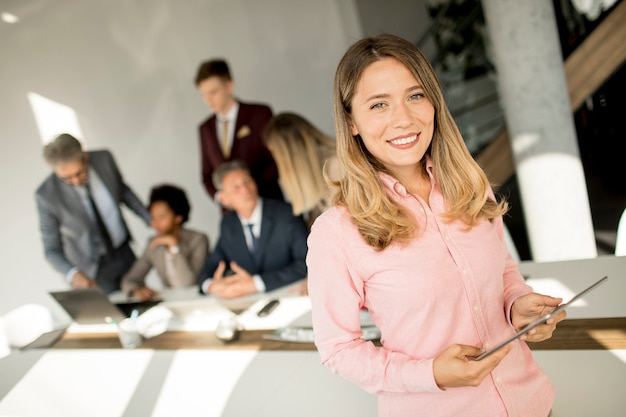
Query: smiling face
point(393, 117)
point(239, 191)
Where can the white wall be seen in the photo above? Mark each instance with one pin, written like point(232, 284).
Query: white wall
point(126, 68)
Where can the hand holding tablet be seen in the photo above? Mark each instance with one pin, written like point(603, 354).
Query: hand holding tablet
point(541, 320)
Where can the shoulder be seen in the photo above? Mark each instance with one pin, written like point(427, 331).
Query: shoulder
point(100, 153)
point(47, 186)
point(206, 121)
point(335, 221)
point(100, 156)
point(229, 218)
point(271, 206)
point(191, 235)
point(254, 108)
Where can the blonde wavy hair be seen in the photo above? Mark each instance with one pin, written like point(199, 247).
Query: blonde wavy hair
point(380, 220)
point(300, 150)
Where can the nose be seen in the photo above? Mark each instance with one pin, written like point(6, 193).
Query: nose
point(402, 116)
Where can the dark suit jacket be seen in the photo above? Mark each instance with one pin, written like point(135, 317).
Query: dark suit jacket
point(247, 146)
point(282, 246)
point(67, 231)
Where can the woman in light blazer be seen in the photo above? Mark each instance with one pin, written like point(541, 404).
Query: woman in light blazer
point(177, 253)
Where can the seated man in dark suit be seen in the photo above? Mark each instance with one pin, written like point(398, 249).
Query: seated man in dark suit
point(262, 245)
point(84, 234)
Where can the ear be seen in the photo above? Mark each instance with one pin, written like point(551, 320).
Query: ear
point(353, 128)
point(223, 199)
point(178, 219)
point(230, 86)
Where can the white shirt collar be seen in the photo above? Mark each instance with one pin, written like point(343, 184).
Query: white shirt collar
point(255, 218)
point(231, 115)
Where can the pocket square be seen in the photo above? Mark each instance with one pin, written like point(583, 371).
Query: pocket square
point(243, 132)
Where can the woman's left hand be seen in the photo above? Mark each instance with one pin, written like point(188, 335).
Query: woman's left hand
point(529, 308)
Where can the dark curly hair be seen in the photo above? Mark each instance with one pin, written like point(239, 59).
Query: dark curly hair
point(174, 197)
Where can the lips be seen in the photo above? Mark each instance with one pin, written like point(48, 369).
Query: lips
point(403, 141)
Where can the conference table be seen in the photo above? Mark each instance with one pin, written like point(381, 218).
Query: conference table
point(187, 371)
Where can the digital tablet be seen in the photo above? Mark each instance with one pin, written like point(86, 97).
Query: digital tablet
point(541, 320)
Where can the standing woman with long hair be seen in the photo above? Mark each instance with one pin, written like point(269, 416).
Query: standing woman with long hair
point(304, 155)
point(416, 237)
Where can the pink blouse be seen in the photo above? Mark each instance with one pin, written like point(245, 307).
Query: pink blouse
point(448, 285)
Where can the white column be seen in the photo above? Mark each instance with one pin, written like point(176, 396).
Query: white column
point(532, 86)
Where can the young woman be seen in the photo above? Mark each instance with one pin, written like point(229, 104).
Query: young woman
point(176, 252)
point(416, 237)
point(303, 155)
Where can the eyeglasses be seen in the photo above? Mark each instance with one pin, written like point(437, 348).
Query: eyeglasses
point(78, 174)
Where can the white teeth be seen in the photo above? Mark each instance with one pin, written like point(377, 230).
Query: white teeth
point(404, 141)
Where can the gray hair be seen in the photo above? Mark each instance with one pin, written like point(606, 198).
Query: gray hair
point(225, 169)
point(64, 148)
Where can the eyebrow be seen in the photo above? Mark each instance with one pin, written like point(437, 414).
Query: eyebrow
point(385, 95)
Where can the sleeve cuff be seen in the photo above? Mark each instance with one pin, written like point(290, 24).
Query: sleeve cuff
point(70, 274)
point(206, 284)
point(258, 283)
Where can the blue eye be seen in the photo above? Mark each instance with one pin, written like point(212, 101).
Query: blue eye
point(377, 106)
point(416, 96)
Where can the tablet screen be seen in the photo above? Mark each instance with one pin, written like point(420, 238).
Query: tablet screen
point(540, 320)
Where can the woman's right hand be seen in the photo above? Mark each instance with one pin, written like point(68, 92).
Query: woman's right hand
point(455, 366)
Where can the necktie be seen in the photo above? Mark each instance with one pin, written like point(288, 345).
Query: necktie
point(255, 240)
point(225, 144)
point(104, 232)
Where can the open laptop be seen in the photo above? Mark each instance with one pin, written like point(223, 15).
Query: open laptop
point(92, 306)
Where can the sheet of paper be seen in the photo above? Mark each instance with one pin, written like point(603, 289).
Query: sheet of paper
point(289, 309)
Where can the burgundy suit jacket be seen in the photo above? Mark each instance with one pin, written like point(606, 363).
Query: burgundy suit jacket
point(247, 146)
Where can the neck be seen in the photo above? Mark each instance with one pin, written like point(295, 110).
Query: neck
point(247, 212)
point(228, 107)
point(410, 175)
point(416, 180)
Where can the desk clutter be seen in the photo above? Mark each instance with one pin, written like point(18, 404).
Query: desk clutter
point(267, 322)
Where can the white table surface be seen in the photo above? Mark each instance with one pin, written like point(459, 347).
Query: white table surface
point(606, 301)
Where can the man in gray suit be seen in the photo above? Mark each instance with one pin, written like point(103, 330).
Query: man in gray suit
point(84, 234)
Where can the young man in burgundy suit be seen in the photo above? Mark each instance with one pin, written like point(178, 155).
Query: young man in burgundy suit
point(233, 131)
